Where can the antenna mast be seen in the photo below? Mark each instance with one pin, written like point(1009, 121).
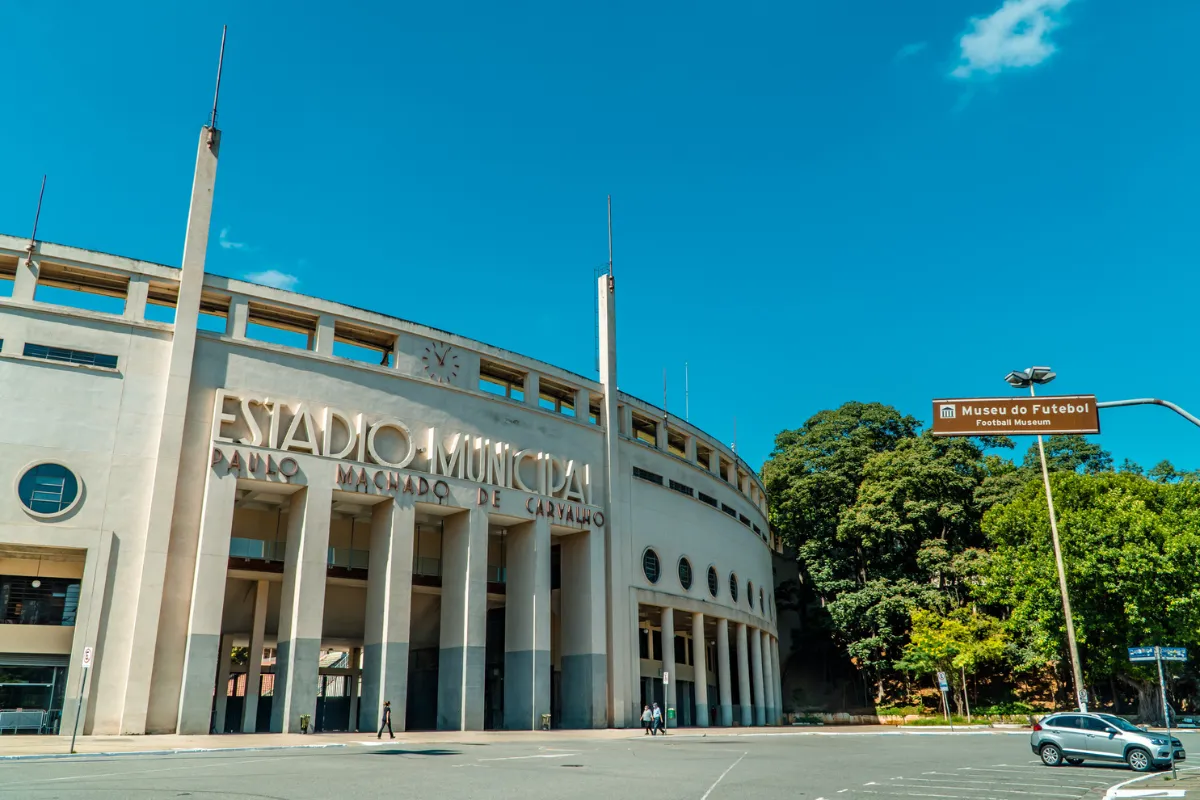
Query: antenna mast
point(212, 120)
point(686, 399)
point(610, 271)
point(37, 216)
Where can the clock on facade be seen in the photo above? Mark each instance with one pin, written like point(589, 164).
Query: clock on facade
point(441, 362)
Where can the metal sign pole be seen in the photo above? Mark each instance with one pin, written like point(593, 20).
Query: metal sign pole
point(79, 708)
point(1162, 686)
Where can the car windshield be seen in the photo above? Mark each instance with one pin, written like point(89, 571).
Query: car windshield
point(1120, 724)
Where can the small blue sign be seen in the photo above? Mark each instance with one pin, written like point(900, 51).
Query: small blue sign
point(1141, 654)
point(942, 682)
point(1174, 653)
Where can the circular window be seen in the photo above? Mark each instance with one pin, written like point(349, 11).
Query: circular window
point(761, 604)
point(650, 565)
point(750, 594)
point(733, 586)
point(685, 574)
point(47, 490)
point(714, 583)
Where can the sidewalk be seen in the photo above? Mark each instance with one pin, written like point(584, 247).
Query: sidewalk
point(1157, 784)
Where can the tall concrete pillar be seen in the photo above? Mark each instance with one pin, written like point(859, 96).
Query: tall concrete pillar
point(724, 687)
point(532, 390)
point(461, 668)
point(200, 659)
point(26, 279)
point(745, 704)
point(778, 679)
point(584, 643)
point(768, 679)
point(254, 672)
point(700, 669)
point(302, 607)
point(221, 702)
point(756, 675)
point(353, 678)
point(129, 688)
point(527, 625)
point(389, 613)
point(668, 659)
point(136, 296)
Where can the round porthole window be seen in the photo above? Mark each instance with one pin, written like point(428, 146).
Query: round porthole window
point(762, 607)
point(47, 489)
point(733, 586)
point(750, 594)
point(685, 574)
point(714, 582)
point(650, 565)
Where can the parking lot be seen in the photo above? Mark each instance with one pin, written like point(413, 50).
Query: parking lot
point(813, 765)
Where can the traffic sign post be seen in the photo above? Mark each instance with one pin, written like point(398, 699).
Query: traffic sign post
point(945, 687)
point(666, 682)
point(1158, 655)
point(87, 665)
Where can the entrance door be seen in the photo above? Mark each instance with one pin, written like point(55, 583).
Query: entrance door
point(27, 685)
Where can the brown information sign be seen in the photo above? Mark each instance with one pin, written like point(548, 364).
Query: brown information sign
point(1015, 416)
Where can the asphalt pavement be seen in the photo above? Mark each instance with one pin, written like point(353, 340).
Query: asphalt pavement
point(808, 766)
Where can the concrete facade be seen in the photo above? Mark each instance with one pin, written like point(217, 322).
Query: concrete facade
point(290, 511)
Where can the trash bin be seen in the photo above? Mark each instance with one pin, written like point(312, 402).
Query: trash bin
point(545, 722)
point(304, 720)
point(670, 713)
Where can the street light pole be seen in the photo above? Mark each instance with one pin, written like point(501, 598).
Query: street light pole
point(1076, 669)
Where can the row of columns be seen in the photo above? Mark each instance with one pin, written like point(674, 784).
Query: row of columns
point(463, 632)
point(757, 672)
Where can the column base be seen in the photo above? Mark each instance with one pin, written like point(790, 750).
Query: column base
point(199, 676)
point(584, 691)
point(725, 716)
point(452, 661)
point(299, 660)
point(526, 689)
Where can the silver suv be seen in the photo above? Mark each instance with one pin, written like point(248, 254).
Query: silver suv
point(1074, 737)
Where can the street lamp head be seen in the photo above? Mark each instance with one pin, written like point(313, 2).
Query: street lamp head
point(1023, 379)
point(1041, 374)
point(1017, 380)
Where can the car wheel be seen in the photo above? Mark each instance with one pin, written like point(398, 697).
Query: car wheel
point(1051, 755)
point(1138, 760)
point(1074, 762)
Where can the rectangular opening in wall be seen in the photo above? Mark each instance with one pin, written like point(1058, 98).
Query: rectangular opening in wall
point(555, 396)
point(67, 356)
point(708, 498)
point(8, 275)
point(360, 343)
point(742, 518)
point(645, 430)
point(595, 415)
point(214, 309)
point(279, 325)
point(74, 287)
point(683, 488)
point(730, 510)
point(741, 480)
point(676, 443)
point(501, 380)
point(725, 465)
point(703, 455)
point(161, 300)
point(757, 530)
point(647, 475)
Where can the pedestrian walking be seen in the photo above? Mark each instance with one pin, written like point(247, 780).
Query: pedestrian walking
point(656, 721)
point(386, 722)
point(647, 719)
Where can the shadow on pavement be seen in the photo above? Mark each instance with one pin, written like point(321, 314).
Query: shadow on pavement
point(413, 753)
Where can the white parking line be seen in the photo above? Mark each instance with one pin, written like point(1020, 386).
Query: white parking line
point(723, 774)
point(539, 755)
point(998, 791)
point(94, 776)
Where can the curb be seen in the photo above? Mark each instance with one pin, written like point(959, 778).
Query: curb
point(177, 752)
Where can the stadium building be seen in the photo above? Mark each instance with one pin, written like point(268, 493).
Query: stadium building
point(242, 507)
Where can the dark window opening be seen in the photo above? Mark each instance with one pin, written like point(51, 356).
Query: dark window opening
point(646, 475)
point(685, 574)
point(645, 430)
point(708, 498)
point(683, 488)
point(714, 583)
point(67, 356)
point(729, 510)
point(26, 600)
point(650, 566)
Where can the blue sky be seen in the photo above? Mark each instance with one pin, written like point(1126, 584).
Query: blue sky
point(814, 202)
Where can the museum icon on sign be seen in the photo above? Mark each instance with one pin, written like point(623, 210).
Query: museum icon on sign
point(946, 411)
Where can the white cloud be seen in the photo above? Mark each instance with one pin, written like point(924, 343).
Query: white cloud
point(227, 243)
point(273, 277)
point(1015, 35)
point(910, 50)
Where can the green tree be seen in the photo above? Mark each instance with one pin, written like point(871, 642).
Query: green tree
point(1132, 467)
point(1130, 546)
point(956, 643)
point(1070, 454)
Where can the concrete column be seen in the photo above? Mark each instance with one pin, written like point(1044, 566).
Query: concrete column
point(731, 474)
point(254, 673)
point(584, 645)
point(689, 448)
point(355, 672)
point(714, 462)
point(533, 390)
point(768, 679)
point(700, 668)
point(668, 659)
point(323, 336)
point(464, 622)
point(388, 613)
point(301, 607)
point(237, 318)
point(136, 296)
point(626, 414)
point(224, 659)
point(778, 672)
point(145, 584)
point(527, 626)
point(583, 404)
point(724, 687)
point(745, 703)
point(660, 434)
point(756, 675)
point(25, 282)
point(200, 659)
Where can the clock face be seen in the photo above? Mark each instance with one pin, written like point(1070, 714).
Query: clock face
point(441, 362)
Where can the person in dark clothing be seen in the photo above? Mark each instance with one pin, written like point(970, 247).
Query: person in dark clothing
point(386, 722)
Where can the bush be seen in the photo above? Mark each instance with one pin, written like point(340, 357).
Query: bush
point(900, 711)
point(954, 719)
point(1011, 708)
